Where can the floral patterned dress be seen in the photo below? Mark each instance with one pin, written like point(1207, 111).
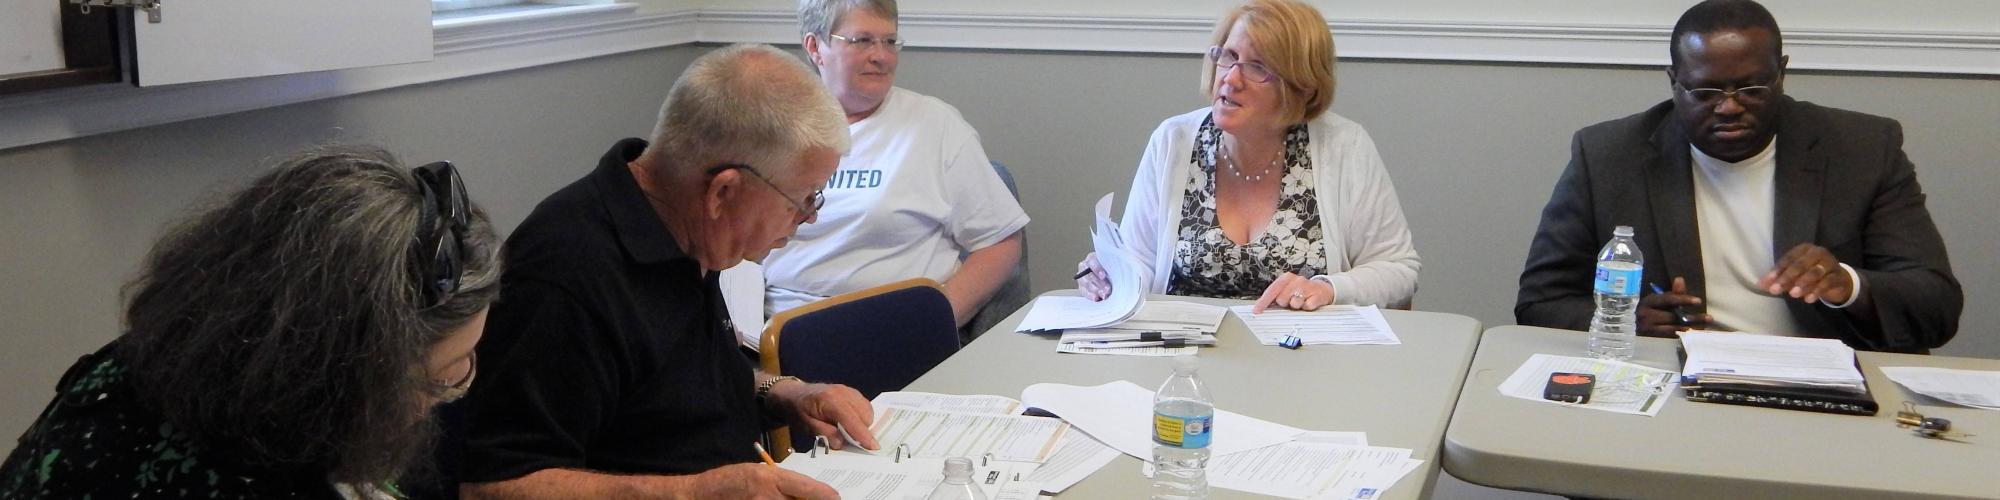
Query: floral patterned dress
point(1207, 264)
point(97, 441)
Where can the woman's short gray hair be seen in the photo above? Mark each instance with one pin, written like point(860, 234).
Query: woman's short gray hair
point(748, 103)
point(820, 17)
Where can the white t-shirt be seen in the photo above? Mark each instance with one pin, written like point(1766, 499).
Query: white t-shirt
point(1733, 206)
point(913, 194)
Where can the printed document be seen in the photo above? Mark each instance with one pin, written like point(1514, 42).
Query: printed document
point(1108, 412)
point(1739, 358)
point(1344, 324)
point(1974, 388)
point(1128, 285)
point(995, 405)
point(1621, 387)
point(1077, 457)
point(864, 477)
point(945, 434)
point(1308, 468)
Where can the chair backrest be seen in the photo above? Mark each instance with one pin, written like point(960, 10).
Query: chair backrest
point(874, 340)
point(1012, 293)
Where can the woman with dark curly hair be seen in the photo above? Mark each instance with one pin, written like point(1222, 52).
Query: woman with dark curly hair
point(286, 343)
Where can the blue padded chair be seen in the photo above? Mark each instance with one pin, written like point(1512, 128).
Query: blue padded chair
point(874, 340)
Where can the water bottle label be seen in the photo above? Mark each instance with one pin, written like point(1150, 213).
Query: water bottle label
point(1618, 281)
point(1182, 432)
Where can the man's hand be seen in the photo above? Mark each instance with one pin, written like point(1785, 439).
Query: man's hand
point(756, 480)
point(1658, 316)
point(1292, 291)
point(1809, 272)
point(826, 409)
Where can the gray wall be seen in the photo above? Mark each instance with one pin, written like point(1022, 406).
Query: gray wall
point(1474, 149)
point(80, 214)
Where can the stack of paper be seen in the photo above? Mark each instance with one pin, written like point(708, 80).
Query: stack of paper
point(1160, 328)
point(1763, 360)
point(1314, 465)
point(1117, 412)
point(1075, 457)
point(1343, 324)
point(1621, 387)
point(1128, 285)
point(1974, 388)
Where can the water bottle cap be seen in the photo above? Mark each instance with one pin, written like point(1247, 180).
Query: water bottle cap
point(1622, 231)
point(958, 467)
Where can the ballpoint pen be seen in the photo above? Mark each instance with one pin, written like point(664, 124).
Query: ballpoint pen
point(1680, 312)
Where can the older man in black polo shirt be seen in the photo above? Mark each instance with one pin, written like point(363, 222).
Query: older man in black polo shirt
point(610, 368)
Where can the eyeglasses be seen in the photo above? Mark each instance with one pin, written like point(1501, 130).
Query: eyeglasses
point(865, 43)
point(457, 389)
point(1226, 60)
point(807, 208)
point(439, 248)
point(1753, 94)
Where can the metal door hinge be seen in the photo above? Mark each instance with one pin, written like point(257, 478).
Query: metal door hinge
point(152, 7)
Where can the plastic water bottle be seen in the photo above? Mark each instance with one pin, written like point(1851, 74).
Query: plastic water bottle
point(1619, 267)
point(1183, 421)
point(957, 483)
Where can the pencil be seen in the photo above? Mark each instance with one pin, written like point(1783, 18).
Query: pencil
point(764, 454)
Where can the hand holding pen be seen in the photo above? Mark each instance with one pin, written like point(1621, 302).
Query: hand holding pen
point(1667, 312)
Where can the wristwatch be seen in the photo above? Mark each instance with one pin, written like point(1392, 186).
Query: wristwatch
point(764, 390)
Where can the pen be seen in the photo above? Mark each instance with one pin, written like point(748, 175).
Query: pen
point(1080, 274)
point(1680, 313)
point(764, 454)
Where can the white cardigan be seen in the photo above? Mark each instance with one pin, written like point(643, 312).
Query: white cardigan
point(1368, 250)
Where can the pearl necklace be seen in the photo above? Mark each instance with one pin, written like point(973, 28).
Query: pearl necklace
point(1222, 151)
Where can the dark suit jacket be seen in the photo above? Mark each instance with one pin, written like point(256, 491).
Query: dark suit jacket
point(1842, 182)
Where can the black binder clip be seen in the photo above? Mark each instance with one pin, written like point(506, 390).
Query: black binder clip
point(1930, 427)
point(1289, 342)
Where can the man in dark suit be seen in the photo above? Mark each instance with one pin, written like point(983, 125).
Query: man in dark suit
point(1766, 214)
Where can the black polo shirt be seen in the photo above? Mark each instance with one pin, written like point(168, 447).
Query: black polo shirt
point(608, 349)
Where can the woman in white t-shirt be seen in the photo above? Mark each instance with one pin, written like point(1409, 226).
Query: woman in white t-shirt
point(1265, 194)
point(914, 197)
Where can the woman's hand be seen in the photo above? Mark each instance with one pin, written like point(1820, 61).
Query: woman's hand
point(1292, 291)
point(1091, 280)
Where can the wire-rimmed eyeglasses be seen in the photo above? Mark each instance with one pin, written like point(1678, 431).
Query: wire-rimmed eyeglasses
point(807, 208)
point(1225, 60)
point(866, 43)
point(1709, 95)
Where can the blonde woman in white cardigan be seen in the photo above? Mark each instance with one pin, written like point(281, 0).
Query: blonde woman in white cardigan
point(1265, 194)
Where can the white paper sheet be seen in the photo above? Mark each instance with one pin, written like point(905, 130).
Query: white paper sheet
point(1077, 457)
point(1117, 414)
point(944, 434)
point(1303, 469)
point(1369, 485)
point(1343, 324)
point(1128, 285)
point(1974, 388)
point(1620, 388)
point(994, 405)
point(1064, 347)
point(863, 477)
point(1787, 359)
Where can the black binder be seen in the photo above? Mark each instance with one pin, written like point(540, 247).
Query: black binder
point(1773, 396)
point(1790, 398)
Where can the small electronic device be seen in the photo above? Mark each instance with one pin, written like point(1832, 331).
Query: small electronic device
point(1565, 387)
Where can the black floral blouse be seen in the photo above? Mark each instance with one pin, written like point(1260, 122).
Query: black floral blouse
point(96, 441)
point(1207, 264)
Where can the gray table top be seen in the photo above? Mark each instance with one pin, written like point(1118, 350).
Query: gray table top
point(1709, 450)
point(1400, 395)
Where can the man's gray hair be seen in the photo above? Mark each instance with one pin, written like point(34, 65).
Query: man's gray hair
point(747, 103)
point(819, 17)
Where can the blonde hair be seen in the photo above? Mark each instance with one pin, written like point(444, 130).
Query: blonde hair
point(1297, 46)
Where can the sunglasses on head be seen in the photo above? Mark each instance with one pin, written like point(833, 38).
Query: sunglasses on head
point(444, 219)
